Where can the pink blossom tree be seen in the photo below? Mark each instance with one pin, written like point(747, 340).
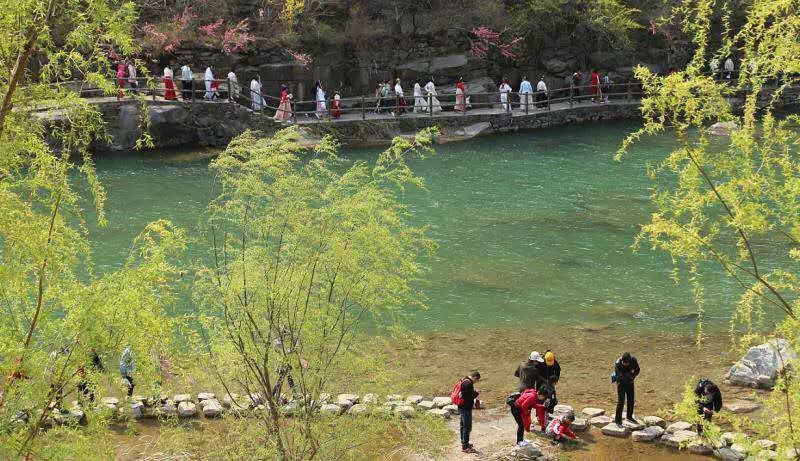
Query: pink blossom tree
point(166, 37)
point(228, 39)
point(486, 39)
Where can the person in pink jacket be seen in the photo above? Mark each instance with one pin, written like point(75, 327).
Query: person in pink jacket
point(558, 428)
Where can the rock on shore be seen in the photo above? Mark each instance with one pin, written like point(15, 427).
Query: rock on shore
point(761, 365)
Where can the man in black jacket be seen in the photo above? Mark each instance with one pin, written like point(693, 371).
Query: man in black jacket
point(626, 369)
point(709, 400)
point(469, 395)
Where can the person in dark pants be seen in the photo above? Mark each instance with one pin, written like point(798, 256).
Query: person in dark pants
point(626, 369)
point(709, 400)
point(521, 406)
point(530, 372)
point(469, 394)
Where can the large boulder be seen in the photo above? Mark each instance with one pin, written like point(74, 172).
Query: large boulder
point(555, 66)
point(761, 364)
point(722, 128)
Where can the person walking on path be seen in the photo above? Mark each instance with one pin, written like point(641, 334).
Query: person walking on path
point(284, 111)
point(187, 82)
point(559, 428)
point(209, 79)
point(505, 89)
point(521, 407)
point(626, 369)
point(419, 98)
point(728, 68)
point(169, 85)
point(434, 105)
point(530, 373)
point(233, 85)
point(132, 82)
point(255, 94)
point(605, 86)
point(541, 94)
point(525, 94)
point(336, 105)
point(464, 395)
point(120, 81)
point(597, 93)
point(127, 367)
point(461, 96)
point(709, 401)
point(399, 98)
point(319, 97)
point(577, 80)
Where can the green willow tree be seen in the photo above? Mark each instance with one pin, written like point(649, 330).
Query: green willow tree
point(734, 201)
point(306, 249)
point(55, 312)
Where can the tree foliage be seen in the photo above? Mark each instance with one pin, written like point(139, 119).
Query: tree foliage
point(733, 201)
point(306, 249)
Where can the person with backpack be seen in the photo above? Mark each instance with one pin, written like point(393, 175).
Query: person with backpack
point(521, 407)
point(558, 429)
point(626, 369)
point(709, 401)
point(530, 372)
point(463, 396)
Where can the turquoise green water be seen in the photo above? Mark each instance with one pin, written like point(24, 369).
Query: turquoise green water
point(533, 228)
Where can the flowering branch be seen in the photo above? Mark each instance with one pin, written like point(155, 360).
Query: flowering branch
point(487, 39)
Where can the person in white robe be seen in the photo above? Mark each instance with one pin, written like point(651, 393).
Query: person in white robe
point(209, 78)
point(233, 85)
point(728, 68)
point(255, 94)
point(419, 99)
point(505, 89)
point(320, 98)
point(433, 103)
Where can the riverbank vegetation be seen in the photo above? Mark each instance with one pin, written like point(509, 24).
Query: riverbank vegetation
point(736, 206)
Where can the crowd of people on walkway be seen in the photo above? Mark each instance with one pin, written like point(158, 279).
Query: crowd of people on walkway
point(536, 394)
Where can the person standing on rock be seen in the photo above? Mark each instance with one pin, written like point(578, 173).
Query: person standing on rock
point(626, 369)
point(530, 373)
point(127, 367)
point(521, 407)
point(541, 94)
point(419, 99)
point(187, 82)
point(465, 396)
point(709, 401)
point(505, 89)
point(525, 94)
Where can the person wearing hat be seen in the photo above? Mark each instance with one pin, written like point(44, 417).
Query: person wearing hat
point(530, 372)
point(626, 369)
point(709, 400)
point(551, 370)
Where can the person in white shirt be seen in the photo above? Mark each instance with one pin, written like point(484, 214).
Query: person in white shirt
point(233, 85)
point(728, 68)
point(319, 95)
point(211, 93)
point(419, 99)
point(541, 94)
point(505, 89)
point(169, 86)
point(255, 94)
point(399, 98)
point(433, 102)
point(187, 82)
point(132, 81)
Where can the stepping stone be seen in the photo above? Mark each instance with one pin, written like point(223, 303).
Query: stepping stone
point(741, 406)
point(290, 409)
point(678, 438)
point(352, 398)
point(700, 448)
point(592, 412)
point(562, 409)
point(766, 444)
point(441, 402)
point(137, 410)
point(414, 399)
point(579, 425)
point(613, 430)
point(600, 421)
point(110, 402)
point(178, 398)
point(426, 405)
point(205, 396)
point(211, 408)
point(394, 398)
point(344, 403)
point(648, 434)
point(404, 411)
point(370, 399)
point(331, 409)
point(453, 409)
point(654, 421)
point(726, 454)
point(633, 426)
point(187, 409)
point(324, 398)
point(767, 455)
point(358, 409)
point(444, 414)
point(678, 426)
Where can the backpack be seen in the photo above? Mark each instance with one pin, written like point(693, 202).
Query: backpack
point(456, 396)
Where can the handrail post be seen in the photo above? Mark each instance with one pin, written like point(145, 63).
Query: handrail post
point(293, 108)
point(154, 92)
point(570, 96)
point(363, 113)
point(230, 92)
point(628, 91)
point(548, 101)
point(527, 102)
point(430, 104)
point(193, 89)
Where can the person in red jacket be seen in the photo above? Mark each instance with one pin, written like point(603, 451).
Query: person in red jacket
point(597, 93)
point(521, 411)
point(559, 427)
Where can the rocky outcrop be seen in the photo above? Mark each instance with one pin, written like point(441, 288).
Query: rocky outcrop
point(761, 365)
point(722, 128)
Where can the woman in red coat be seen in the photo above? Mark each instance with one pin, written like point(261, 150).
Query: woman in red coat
point(336, 106)
point(597, 94)
point(521, 411)
point(461, 96)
